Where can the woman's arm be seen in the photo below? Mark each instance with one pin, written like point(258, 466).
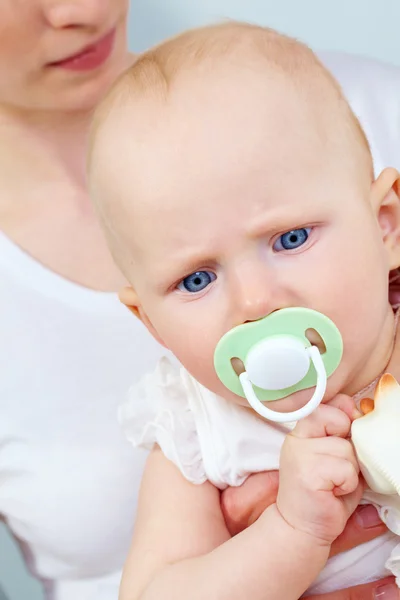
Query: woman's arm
point(182, 547)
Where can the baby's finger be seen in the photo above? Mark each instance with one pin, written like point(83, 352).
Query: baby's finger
point(352, 500)
point(343, 476)
point(324, 421)
point(333, 446)
point(346, 404)
point(330, 474)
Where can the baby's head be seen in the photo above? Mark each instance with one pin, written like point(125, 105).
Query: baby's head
point(232, 179)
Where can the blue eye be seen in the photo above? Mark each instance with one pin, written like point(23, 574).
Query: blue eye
point(197, 282)
point(292, 239)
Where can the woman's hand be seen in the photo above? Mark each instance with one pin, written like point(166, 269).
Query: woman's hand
point(243, 505)
point(385, 589)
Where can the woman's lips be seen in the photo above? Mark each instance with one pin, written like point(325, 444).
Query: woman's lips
point(91, 57)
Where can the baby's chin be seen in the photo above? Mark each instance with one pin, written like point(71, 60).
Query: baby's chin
point(289, 404)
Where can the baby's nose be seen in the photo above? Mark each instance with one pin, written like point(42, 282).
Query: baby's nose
point(254, 298)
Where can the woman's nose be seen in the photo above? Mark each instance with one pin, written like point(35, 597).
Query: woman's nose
point(62, 14)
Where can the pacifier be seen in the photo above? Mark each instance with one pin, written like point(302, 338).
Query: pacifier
point(279, 359)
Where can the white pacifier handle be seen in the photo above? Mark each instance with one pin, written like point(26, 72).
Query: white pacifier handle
point(296, 415)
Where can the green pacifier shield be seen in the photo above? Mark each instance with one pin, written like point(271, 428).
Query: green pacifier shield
point(293, 322)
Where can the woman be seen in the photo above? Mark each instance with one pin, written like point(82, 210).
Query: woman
point(68, 351)
point(68, 480)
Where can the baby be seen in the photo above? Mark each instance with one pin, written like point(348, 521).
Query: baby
point(233, 180)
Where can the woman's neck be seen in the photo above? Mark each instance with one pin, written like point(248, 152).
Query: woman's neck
point(37, 144)
point(44, 205)
point(45, 144)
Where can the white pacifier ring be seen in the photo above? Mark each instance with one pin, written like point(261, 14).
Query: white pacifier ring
point(278, 417)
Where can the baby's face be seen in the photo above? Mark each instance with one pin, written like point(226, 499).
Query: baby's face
point(233, 208)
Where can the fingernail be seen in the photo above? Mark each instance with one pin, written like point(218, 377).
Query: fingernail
point(387, 592)
point(367, 517)
point(357, 414)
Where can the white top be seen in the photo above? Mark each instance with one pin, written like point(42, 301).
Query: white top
point(209, 438)
point(373, 90)
point(68, 479)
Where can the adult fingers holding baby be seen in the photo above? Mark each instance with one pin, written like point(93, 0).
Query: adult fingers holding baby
point(386, 589)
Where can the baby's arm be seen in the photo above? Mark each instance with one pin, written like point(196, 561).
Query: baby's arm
point(182, 548)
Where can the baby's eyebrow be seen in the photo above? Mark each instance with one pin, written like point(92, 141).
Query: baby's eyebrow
point(277, 220)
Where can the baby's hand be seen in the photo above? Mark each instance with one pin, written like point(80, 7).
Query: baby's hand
point(319, 486)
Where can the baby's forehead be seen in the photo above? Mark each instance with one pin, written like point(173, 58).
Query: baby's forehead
point(214, 123)
point(225, 96)
point(176, 162)
point(228, 121)
point(241, 76)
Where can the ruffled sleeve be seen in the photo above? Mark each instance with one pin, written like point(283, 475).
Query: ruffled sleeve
point(158, 412)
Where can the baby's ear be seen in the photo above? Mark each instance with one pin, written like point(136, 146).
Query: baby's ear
point(386, 199)
point(129, 297)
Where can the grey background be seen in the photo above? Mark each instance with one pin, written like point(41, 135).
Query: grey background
point(366, 27)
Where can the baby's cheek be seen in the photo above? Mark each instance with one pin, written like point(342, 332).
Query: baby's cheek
point(198, 354)
point(192, 343)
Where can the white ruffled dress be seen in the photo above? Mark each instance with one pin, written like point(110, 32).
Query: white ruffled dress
point(209, 438)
